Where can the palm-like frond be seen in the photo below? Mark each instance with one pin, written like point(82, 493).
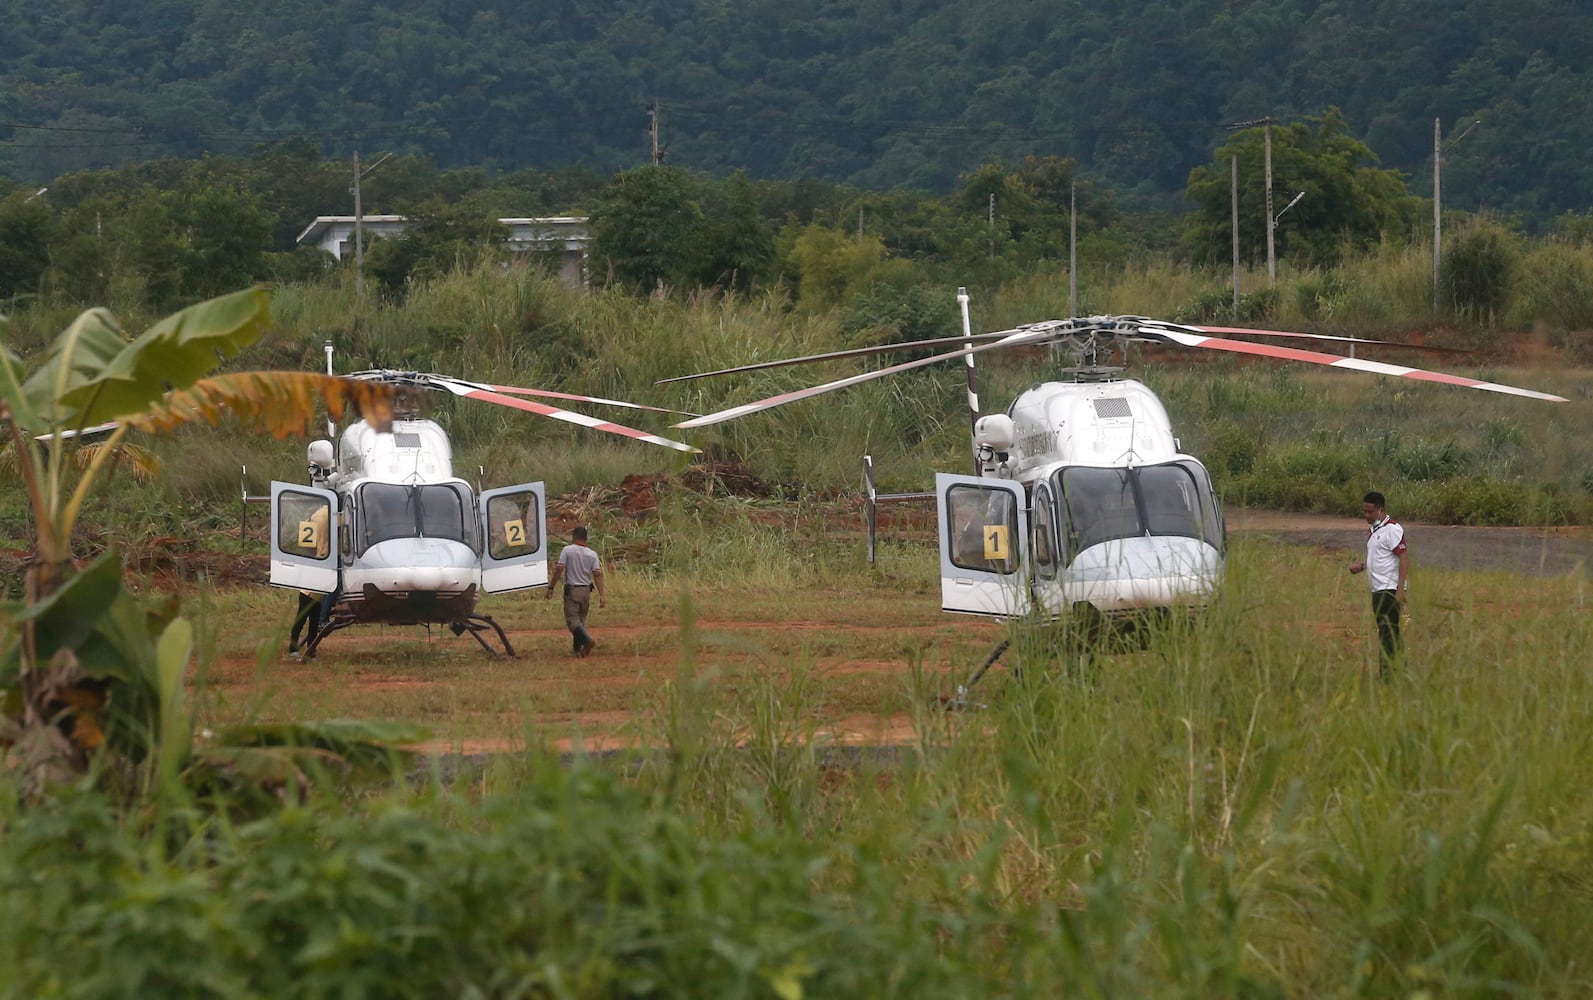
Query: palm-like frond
point(280, 403)
point(142, 463)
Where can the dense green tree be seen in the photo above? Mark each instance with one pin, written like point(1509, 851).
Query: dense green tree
point(1347, 197)
point(1033, 206)
point(27, 224)
point(875, 94)
point(82, 259)
point(226, 235)
point(828, 267)
point(739, 246)
point(148, 252)
point(436, 238)
point(649, 230)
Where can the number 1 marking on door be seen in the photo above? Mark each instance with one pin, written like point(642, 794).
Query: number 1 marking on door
point(995, 542)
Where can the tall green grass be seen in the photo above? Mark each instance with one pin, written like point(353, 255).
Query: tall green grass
point(1235, 809)
point(1311, 441)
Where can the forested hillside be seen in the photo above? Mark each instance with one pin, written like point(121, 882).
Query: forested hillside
point(874, 93)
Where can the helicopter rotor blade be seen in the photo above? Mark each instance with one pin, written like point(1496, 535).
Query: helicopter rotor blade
point(1336, 361)
point(1287, 334)
point(475, 390)
point(550, 394)
point(471, 391)
point(1037, 334)
point(855, 352)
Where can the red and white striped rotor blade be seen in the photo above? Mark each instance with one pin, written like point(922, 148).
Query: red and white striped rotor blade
point(472, 391)
point(550, 394)
point(1287, 334)
point(1338, 361)
point(1017, 339)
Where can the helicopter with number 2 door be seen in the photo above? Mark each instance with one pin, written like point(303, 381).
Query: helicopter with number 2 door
point(391, 535)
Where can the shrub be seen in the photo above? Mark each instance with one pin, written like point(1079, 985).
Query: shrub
point(1551, 287)
point(1476, 271)
point(1218, 305)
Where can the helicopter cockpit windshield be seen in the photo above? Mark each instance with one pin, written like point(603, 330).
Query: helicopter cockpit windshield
point(1102, 504)
point(394, 510)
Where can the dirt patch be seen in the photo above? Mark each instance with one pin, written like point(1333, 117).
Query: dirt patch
point(638, 496)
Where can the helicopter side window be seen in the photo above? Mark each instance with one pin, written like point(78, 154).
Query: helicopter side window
point(514, 525)
point(1046, 558)
point(983, 529)
point(304, 525)
point(1099, 505)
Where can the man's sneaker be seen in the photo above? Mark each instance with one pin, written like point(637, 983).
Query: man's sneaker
point(587, 649)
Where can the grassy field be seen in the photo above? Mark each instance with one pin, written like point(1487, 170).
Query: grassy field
point(1238, 809)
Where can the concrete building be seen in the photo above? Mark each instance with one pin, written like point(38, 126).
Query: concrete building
point(564, 235)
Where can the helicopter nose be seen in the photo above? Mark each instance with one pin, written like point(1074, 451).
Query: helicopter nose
point(412, 564)
point(429, 578)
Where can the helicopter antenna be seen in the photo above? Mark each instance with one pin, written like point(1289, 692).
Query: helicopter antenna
point(331, 426)
point(973, 379)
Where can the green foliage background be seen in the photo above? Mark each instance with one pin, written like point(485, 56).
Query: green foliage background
point(877, 94)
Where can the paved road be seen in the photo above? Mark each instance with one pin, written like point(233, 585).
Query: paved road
point(1528, 551)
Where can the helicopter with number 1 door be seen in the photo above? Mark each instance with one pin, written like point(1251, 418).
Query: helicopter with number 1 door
point(1083, 502)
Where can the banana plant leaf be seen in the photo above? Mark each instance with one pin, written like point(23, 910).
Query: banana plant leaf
point(93, 615)
point(107, 378)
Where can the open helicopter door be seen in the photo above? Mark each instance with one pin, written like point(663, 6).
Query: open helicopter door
point(983, 529)
point(303, 533)
point(515, 555)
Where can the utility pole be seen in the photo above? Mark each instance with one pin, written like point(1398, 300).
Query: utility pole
point(359, 226)
point(1438, 159)
point(1073, 248)
point(1233, 223)
point(1272, 265)
point(658, 152)
point(1438, 155)
point(359, 237)
point(992, 228)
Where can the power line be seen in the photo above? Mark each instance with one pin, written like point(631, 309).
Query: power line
point(713, 121)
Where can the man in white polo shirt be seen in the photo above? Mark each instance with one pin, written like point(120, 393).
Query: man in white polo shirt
point(581, 570)
point(1388, 566)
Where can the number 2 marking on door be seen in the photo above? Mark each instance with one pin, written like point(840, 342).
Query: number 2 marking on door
point(514, 534)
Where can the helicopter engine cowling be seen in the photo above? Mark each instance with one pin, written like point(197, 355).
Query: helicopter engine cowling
point(1119, 422)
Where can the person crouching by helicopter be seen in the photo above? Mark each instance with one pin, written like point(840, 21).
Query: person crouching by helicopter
point(315, 607)
point(311, 604)
point(581, 570)
point(1387, 565)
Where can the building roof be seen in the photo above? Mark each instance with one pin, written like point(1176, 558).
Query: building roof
point(314, 231)
point(324, 222)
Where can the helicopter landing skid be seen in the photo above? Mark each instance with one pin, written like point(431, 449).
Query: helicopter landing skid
point(338, 620)
point(477, 624)
point(959, 701)
point(474, 624)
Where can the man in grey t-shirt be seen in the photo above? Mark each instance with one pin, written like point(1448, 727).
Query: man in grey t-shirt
point(581, 570)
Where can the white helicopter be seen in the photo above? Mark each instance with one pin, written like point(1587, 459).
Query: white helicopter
point(393, 536)
point(1084, 504)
